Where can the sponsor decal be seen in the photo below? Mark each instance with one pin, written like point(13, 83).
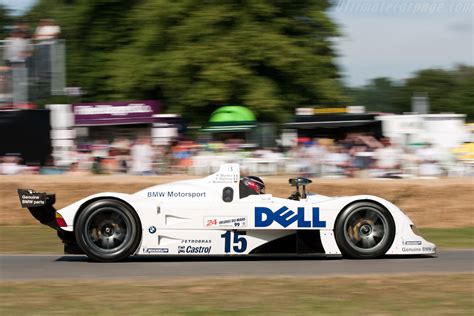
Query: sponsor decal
point(196, 241)
point(155, 250)
point(404, 249)
point(30, 198)
point(225, 221)
point(137, 111)
point(152, 229)
point(265, 217)
point(419, 249)
point(238, 242)
point(173, 194)
point(412, 242)
point(194, 249)
point(112, 110)
point(226, 178)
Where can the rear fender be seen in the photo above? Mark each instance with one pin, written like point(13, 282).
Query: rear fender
point(146, 210)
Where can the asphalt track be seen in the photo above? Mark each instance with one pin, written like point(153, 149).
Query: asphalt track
point(36, 267)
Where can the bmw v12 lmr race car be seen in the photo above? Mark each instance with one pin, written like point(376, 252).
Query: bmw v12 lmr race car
point(220, 215)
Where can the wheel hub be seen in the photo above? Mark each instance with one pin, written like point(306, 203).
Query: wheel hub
point(107, 230)
point(365, 230)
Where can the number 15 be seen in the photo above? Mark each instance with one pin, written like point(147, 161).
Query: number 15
point(239, 242)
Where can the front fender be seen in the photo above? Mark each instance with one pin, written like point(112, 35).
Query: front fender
point(406, 241)
point(332, 207)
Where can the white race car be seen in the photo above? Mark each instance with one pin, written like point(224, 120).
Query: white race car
point(224, 214)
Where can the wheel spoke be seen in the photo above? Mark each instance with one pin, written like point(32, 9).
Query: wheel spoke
point(108, 242)
point(355, 219)
point(378, 231)
point(371, 216)
point(116, 219)
point(368, 241)
point(119, 237)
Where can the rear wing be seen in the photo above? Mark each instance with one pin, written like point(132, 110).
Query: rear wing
point(40, 206)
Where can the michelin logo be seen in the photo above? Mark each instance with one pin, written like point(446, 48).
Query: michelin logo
point(265, 217)
point(412, 243)
point(173, 194)
point(155, 250)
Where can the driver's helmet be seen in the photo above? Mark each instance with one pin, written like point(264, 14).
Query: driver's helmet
point(254, 183)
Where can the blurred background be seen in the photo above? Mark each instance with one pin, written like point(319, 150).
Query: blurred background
point(336, 89)
point(116, 95)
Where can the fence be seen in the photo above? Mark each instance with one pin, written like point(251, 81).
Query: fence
point(42, 75)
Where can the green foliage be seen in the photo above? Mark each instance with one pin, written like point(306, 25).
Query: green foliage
point(447, 90)
point(6, 21)
point(271, 56)
point(380, 95)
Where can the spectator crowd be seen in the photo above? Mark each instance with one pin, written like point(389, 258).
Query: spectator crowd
point(356, 156)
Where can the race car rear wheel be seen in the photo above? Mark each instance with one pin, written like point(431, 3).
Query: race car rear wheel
point(108, 230)
point(364, 230)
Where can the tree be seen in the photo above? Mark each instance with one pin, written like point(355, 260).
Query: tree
point(380, 95)
point(6, 21)
point(447, 91)
point(197, 55)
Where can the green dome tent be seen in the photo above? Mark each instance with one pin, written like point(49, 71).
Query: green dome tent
point(231, 118)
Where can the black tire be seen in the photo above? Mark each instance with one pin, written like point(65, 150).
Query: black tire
point(108, 230)
point(364, 230)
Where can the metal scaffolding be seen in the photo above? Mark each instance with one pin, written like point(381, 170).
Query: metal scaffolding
point(42, 75)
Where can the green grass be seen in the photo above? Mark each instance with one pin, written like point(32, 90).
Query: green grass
point(42, 239)
point(444, 238)
point(376, 295)
point(29, 239)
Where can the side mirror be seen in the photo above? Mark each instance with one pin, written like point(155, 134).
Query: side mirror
point(297, 182)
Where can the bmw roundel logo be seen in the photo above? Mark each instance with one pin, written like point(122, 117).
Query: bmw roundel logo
point(152, 229)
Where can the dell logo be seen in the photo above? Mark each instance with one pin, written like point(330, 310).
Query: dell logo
point(264, 217)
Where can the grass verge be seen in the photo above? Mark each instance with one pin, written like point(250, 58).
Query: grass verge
point(29, 239)
point(381, 295)
point(444, 238)
point(42, 239)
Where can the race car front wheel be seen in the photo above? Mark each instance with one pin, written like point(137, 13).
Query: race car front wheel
point(364, 230)
point(108, 230)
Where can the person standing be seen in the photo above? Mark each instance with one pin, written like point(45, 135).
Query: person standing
point(429, 157)
point(142, 157)
point(17, 51)
point(388, 158)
